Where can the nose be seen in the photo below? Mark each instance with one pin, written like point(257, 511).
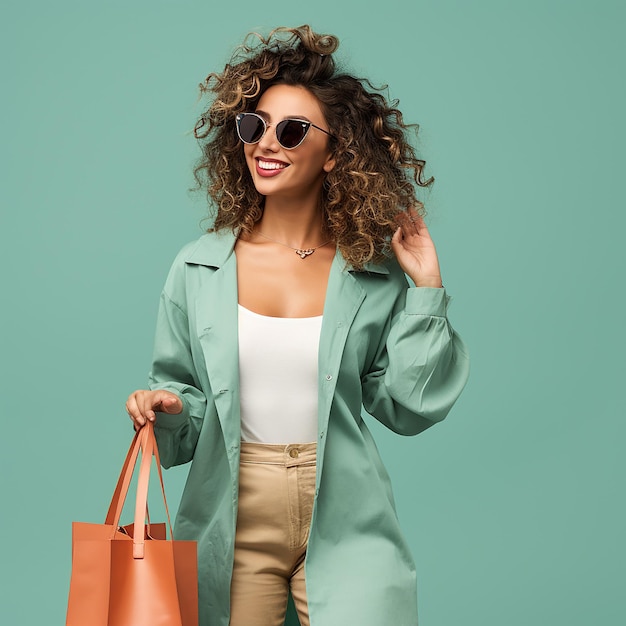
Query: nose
point(268, 141)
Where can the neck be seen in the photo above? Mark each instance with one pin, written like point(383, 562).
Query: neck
point(293, 224)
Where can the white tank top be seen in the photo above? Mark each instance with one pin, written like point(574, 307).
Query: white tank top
point(278, 377)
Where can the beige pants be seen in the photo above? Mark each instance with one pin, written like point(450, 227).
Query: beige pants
point(276, 490)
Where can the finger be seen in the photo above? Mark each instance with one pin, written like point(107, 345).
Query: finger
point(148, 401)
point(417, 218)
point(420, 224)
point(172, 404)
point(398, 244)
point(397, 236)
point(134, 412)
point(407, 226)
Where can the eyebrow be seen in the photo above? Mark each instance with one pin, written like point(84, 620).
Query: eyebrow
point(267, 116)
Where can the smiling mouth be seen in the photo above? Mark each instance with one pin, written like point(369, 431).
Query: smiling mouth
point(271, 165)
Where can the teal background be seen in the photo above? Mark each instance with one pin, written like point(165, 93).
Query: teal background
point(513, 507)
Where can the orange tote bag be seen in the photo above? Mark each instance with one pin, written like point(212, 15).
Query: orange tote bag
point(132, 575)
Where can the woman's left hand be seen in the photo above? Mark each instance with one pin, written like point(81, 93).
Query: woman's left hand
point(415, 250)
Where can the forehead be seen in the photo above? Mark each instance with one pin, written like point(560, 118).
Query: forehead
point(280, 101)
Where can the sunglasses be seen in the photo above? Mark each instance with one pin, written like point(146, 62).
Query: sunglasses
point(290, 133)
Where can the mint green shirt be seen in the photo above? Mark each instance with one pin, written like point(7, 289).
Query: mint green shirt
point(384, 347)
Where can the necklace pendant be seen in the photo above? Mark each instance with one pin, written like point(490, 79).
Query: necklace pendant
point(303, 254)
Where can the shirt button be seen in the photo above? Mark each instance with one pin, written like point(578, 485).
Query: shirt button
point(329, 377)
point(293, 453)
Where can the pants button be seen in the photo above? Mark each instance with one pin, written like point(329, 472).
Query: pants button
point(293, 453)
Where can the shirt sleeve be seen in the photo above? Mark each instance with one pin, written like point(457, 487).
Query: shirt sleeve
point(173, 370)
point(421, 368)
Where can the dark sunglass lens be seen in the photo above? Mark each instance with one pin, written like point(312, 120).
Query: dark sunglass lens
point(251, 128)
point(290, 133)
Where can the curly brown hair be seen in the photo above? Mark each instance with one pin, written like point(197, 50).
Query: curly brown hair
point(376, 171)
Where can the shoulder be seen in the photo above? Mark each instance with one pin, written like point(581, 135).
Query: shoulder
point(210, 250)
point(385, 286)
point(384, 276)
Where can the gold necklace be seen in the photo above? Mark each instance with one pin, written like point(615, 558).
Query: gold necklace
point(303, 253)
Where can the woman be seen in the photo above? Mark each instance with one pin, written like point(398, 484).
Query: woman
point(281, 324)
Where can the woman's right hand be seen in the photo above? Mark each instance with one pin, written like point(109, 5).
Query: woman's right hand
point(142, 404)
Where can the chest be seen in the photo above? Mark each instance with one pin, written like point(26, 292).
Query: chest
point(279, 283)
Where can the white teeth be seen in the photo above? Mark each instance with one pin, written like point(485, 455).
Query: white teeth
point(271, 165)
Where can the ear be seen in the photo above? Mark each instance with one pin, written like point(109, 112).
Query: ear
point(329, 164)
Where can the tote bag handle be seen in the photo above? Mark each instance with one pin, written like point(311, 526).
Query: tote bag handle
point(149, 449)
point(145, 441)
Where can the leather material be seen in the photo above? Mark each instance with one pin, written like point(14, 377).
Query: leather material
point(132, 575)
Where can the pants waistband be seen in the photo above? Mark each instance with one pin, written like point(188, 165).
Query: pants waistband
point(287, 455)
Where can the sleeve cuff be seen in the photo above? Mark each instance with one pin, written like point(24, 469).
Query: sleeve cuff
point(427, 301)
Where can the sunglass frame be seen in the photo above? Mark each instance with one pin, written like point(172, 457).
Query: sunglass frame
point(279, 128)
